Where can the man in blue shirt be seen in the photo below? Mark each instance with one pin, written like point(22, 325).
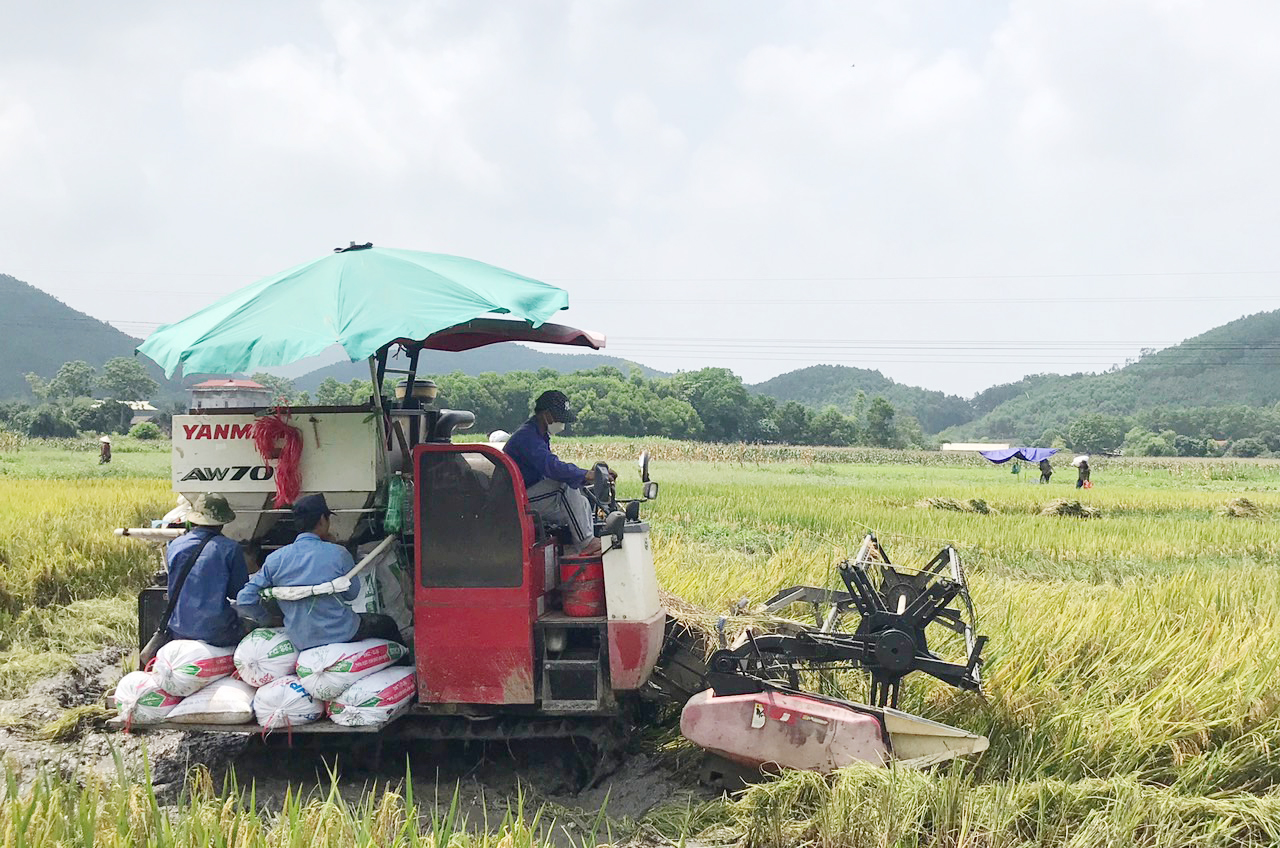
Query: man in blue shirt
point(311, 560)
point(554, 487)
point(203, 610)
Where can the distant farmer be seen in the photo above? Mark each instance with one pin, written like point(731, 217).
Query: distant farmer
point(215, 571)
point(104, 450)
point(312, 560)
point(554, 487)
point(1046, 470)
point(1082, 479)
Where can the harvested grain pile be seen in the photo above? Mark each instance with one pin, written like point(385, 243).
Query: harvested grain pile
point(955, 505)
point(1240, 508)
point(942, 503)
point(1062, 506)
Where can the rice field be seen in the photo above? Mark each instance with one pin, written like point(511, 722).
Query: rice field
point(1131, 695)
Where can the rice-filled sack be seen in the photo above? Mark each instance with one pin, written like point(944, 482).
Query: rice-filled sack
point(375, 699)
point(185, 666)
point(141, 700)
point(264, 655)
point(225, 701)
point(284, 703)
point(326, 671)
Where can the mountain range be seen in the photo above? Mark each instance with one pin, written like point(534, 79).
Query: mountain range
point(38, 333)
point(819, 386)
point(1228, 365)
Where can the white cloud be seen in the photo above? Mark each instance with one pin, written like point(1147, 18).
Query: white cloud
point(28, 173)
point(596, 142)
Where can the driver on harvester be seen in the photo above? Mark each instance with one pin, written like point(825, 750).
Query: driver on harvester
point(554, 487)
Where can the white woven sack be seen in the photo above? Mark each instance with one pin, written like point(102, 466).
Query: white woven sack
point(264, 655)
point(326, 671)
point(375, 699)
point(225, 701)
point(140, 699)
point(385, 588)
point(283, 703)
point(185, 666)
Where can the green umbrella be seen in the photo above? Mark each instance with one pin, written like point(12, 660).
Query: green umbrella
point(362, 298)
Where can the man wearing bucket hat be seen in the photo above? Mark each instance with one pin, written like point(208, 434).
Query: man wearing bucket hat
point(206, 569)
point(554, 487)
point(312, 560)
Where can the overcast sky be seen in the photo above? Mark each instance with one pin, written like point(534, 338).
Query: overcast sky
point(956, 193)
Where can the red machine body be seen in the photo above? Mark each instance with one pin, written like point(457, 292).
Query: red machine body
point(779, 729)
point(489, 627)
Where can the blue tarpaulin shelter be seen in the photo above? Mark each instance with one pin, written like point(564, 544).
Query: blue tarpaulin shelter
point(1025, 454)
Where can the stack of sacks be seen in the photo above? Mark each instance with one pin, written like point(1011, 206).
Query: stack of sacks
point(274, 684)
point(358, 681)
point(188, 683)
point(323, 674)
point(326, 671)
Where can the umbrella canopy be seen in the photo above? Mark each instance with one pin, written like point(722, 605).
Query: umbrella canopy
point(362, 298)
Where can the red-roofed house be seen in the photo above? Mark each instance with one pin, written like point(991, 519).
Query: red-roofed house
point(229, 394)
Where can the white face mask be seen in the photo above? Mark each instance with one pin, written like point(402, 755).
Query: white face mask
point(555, 428)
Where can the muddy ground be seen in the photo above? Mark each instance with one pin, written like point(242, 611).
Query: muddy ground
point(487, 778)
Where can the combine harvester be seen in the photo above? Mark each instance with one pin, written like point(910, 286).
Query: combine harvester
point(510, 638)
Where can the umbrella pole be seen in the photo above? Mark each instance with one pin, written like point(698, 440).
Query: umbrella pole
point(378, 406)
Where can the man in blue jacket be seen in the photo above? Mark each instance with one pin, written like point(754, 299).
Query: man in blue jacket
point(203, 610)
point(312, 560)
point(554, 487)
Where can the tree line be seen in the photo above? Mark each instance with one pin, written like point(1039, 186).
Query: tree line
point(80, 398)
point(1235, 430)
point(711, 404)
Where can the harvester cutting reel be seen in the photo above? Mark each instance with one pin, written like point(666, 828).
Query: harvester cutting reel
point(896, 607)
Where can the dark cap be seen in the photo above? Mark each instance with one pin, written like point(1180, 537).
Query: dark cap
point(311, 508)
point(557, 403)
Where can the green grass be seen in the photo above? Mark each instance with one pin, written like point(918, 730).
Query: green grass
point(77, 459)
point(1131, 694)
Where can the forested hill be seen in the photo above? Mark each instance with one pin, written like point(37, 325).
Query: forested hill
point(498, 359)
point(38, 333)
point(819, 386)
point(1231, 365)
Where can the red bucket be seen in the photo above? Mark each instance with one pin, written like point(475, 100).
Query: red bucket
point(582, 586)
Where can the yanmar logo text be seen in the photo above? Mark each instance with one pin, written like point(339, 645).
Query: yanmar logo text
point(217, 431)
point(232, 472)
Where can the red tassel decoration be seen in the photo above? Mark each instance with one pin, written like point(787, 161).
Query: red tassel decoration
point(268, 433)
